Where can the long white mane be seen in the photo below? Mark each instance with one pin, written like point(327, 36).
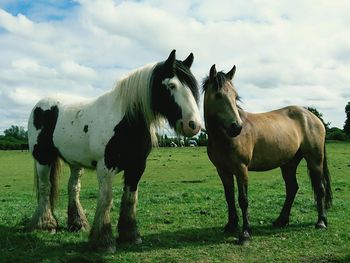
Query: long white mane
point(135, 93)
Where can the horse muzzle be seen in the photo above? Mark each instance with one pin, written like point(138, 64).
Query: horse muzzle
point(234, 129)
point(188, 128)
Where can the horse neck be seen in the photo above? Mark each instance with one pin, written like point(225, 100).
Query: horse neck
point(134, 92)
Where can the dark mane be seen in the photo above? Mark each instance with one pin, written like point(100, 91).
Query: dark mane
point(219, 81)
point(186, 77)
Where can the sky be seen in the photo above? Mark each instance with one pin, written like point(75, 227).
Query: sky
point(286, 52)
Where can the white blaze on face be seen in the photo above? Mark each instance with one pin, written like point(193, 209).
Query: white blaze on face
point(234, 107)
point(189, 124)
point(236, 113)
point(238, 117)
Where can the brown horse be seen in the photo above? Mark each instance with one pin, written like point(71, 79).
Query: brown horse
point(240, 141)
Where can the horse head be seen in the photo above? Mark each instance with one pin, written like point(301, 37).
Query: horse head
point(220, 102)
point(175, 94)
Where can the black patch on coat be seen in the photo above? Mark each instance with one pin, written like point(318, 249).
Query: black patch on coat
point(86, 128)
point(128, 149)
point(162, 101)
point(44, 151)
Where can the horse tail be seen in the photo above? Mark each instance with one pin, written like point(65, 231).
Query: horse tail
point(327, 181)
point(55, 170)
point(54, 181)
point(36, 182)
point(44, 118)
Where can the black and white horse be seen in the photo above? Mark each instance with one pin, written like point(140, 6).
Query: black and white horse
point(112, 133)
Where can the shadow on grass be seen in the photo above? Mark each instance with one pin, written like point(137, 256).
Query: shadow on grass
point(16, 245)
point(267, 230)
point(328, 259)
point(197, 237)
point(19, 246)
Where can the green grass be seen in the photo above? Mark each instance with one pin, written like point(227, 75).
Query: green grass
point(181, 214)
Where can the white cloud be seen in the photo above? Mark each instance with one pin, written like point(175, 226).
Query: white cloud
point(286, 52)
point(76, 71)
point(16, 24)
point(24, 96)
point(30, 67)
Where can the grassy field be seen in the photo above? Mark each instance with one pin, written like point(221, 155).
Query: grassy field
point(181, 214)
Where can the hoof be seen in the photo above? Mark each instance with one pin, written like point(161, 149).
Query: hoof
point(320, 225)
point(31, 227)
point(49, 225)
point(102, 239)
point(129, 236)
point(230, 228)
point(280, 222)
point(138, 241)
point(79, 225)
point(111, 249)
point(244, 238)
point(106, 245)
point(134, 240)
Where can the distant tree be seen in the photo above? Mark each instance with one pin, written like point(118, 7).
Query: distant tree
point(16, 132)
point(320, 116)
point(346, 128)
point(202, 139)
point(14, 138)
point(335, 133)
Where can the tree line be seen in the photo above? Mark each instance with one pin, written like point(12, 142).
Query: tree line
point(334, 133)
point(16, 137)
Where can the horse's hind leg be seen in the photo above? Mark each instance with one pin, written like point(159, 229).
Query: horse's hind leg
point(43, 217)
point(314, 159)
point(319, 191)
point(290, 180)
point(228, 182)
point(76, 217)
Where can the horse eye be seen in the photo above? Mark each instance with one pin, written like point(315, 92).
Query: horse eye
point(171, 86)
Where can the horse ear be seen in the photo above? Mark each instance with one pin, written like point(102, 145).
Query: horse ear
point(189, 60)
point(170, 62)
point(212, 73)
point(231, 73)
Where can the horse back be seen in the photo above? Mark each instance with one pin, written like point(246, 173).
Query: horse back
point(268, 140)
point(311, 130)
point(278, 135)
point(78, 131)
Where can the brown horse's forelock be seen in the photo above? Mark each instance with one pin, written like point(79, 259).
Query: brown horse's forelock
point(218, 83)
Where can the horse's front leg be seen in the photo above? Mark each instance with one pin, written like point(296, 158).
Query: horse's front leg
point(127, 225)
point(228, 182)
point(242, 183)
point(101, 232)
